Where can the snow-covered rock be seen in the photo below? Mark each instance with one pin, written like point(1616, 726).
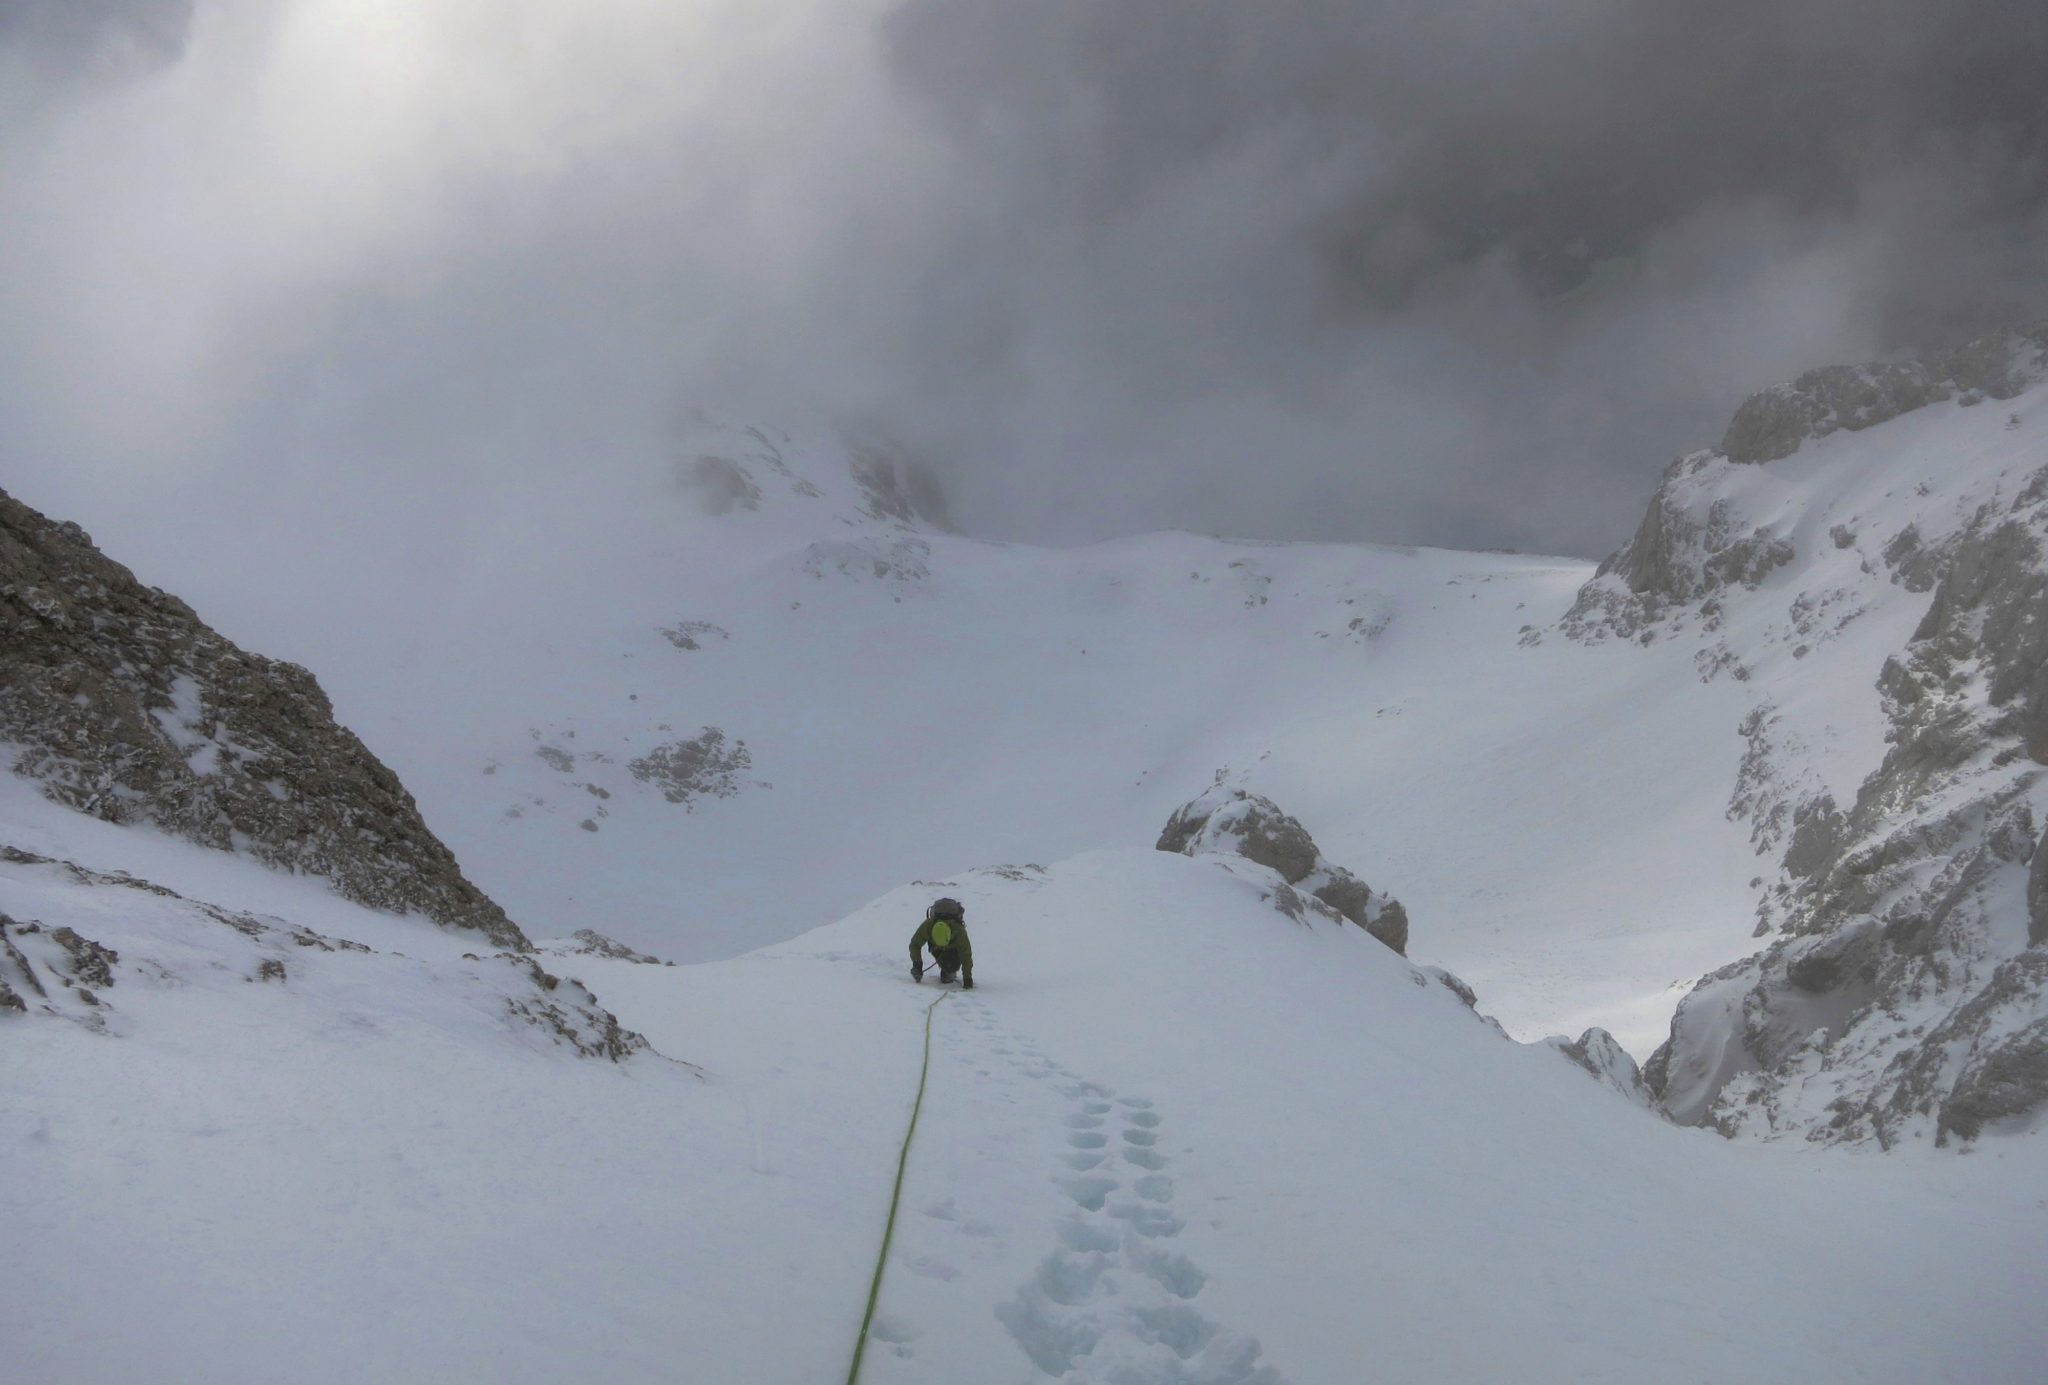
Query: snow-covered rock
point(1225, 821)
point(1773, 423)
point(120, 702)
point(77, 941)
point(588, 942)
point(1893, 1000)
point(1609, 1063)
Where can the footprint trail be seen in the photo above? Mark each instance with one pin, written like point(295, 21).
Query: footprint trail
point(1111, 1299)
point(1114, 1302)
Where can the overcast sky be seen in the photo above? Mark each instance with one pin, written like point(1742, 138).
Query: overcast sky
point(362, 274)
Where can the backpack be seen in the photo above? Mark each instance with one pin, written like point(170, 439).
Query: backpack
point(944, 914)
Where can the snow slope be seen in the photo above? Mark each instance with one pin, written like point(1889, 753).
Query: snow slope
point(911, 702)
point(1172, 1137)
point(700, 732)
point(728, 706)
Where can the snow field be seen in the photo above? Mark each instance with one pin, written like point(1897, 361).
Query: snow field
point(1173, 1137)
point(1030, 704)
point(914, 701)
point(1170, 1137)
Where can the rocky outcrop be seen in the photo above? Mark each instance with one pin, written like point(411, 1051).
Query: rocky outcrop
point(1693, 545)
point(1233, 822)
point(1988, 1061)
point(568, 1012)
point(122, 703)
point(1774, 423)
point(1454, 983)
point(703, 766)
point(1895, 999)
point(1608, 1063)
point(1889, 1003)
point(725, 466)
point(692, 635)
point(588, 942)
point(1897, 930)
point(62, 970)
point(896, 486)
point(170, 941)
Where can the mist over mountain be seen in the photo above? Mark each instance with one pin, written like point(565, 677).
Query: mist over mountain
point(1763, 791)
point(92, 39)
point(1458, 593)
point(1332, 271)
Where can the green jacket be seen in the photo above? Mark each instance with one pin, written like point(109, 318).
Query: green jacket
point(961, 949)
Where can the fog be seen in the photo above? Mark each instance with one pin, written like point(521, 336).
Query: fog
point(346, 289)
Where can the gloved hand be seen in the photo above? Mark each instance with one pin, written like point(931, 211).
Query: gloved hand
point(917, 971)
point(966, 983)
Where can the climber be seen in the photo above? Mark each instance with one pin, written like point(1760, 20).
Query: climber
point(944, 931)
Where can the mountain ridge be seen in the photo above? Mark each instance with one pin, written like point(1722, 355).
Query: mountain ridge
point(1898, 997)
point(121, 703)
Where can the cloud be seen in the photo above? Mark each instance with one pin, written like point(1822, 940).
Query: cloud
point(348, 227)
point(352, 285)
point(1567, 134)
point(1454, 267)
point(94, 38)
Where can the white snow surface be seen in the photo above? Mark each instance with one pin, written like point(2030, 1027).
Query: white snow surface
point(1171, 1137)
point(912, 702)
point(1554, 817)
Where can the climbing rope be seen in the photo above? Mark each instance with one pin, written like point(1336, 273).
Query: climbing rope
point(867, 1321)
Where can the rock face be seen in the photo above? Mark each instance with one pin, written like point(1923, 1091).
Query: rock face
point(896, 486)
point(1694, 544)
point(1773, 423)
point(1232, 822)
point(1688, 548)
point(1903, 897)
point(123, 704)
point(1608, 1063)
point(1902, 993)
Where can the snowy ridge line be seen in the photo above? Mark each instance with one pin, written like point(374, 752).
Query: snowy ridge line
point(924, 1070)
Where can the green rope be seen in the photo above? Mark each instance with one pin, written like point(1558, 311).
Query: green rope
point(860, 1345)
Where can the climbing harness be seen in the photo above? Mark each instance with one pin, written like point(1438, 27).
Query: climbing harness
point(860, 1345)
